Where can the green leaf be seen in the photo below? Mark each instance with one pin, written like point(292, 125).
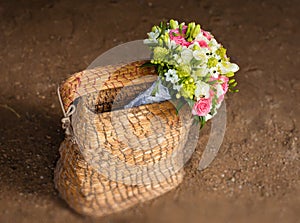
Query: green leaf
point(180, 28)
point(153, 93)
point(148, 64)
point(212, 82)
point(163, 27)
point(190, 102)
point(196, 120)
point(179, 105)
point(202, 122)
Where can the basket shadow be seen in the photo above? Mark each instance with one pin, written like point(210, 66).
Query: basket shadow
point(29, 150)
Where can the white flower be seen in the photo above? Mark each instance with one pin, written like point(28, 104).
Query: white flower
point(201, 71)
point(200, 55)
point(202, 89)
point(186, 55)
point(226, 67)
point(152, 38)
point(177, 58)
point(172, 76)
point(214, 45)
point(171, 44)
point(218, 57)
point(213, 72)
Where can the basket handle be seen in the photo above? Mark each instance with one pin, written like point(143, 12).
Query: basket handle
point(95, 80)
point(102, 78)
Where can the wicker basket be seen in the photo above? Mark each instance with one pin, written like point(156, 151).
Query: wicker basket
point(118, 157)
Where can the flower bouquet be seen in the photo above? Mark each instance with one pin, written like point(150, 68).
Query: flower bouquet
point(192, 65)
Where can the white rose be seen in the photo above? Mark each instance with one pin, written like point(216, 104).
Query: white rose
point(201, 71)
point(200, 55)
point(186, 55)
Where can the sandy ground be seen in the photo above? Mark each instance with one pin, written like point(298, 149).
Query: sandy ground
point(255, 177)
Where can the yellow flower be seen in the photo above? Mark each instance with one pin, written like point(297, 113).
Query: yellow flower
point(183, 71)
point(160, 54)
point(222, 53)
point(188, 89)
point(212, 62)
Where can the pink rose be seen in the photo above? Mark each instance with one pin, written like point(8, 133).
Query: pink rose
point(202, 107)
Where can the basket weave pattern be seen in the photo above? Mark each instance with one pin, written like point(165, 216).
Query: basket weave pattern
point(112, 142)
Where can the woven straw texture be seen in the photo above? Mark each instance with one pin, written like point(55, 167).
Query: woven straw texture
point(120, 157)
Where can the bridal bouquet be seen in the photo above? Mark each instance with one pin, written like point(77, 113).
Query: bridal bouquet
point(192, 65)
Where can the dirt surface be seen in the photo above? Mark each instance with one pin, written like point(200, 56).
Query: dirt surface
point(256, 175)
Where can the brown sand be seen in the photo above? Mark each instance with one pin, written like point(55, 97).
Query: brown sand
point(255, 177)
